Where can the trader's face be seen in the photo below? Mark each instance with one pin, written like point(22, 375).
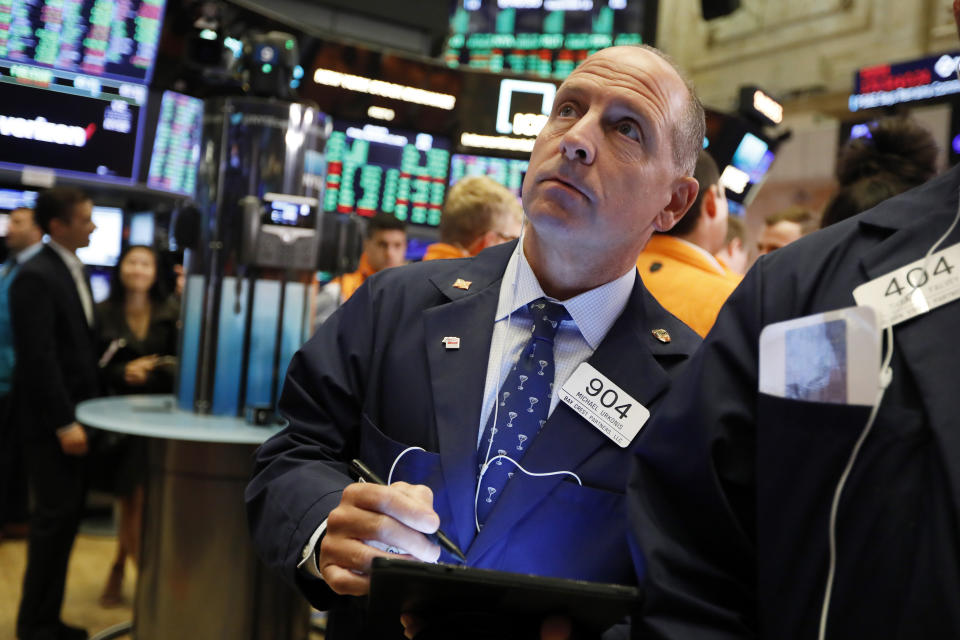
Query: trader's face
point(778, 235)
point(386, 248)
point(75, 233)
point(22, 230)
point(138, 270)
point(602, 170)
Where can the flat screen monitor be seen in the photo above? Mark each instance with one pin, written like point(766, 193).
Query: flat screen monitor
point(11, 199)
point(176, 145)
point(105, 241)
point(372, 168)
point(108, 38)
point(542, 37)
point(742, 152)
point(100, 285)
point(141, 229)
point(507, 171)
point(75, 134)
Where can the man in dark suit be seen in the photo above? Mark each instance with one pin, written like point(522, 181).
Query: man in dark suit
point(56, 367)
point(422, 356)
point(738, 493)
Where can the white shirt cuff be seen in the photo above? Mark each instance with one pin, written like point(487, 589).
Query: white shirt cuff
point(308, 557)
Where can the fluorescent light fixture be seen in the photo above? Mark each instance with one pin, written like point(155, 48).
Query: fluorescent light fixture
point(547, 91)
point(381, 113)
point(734, 179)
point(505, 143)
point(769, 107)
point(385, 89)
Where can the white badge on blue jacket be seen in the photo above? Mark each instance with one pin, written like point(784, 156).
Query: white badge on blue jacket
point(914, 289)
point(831, 357)
point(606, 406)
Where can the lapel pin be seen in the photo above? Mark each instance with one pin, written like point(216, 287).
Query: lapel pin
point(451, 342)
point(661, 335)
point(462, 284)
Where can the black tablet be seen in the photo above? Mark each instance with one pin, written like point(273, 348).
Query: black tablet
point(491, 603)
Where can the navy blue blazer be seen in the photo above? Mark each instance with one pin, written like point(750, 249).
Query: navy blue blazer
point(56, 359)
point(731, 499)
point(376, 379)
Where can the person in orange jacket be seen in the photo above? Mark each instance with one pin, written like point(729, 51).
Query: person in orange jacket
point(384, 246)
point(679, 268)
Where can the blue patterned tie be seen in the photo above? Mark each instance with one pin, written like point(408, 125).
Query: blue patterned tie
point(524, 402)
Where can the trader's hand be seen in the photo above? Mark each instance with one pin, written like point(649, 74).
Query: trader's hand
point(137, 371)
point(73, 440)
point(396, 516)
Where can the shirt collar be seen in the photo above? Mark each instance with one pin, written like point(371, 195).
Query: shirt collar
point(29, 252)
point(706, 255)
point(69, 257)
point(593, 311)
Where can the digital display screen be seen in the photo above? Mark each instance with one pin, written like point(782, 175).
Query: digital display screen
point(104, 247)
point(11, 199)
point(141, 229)
point(99, 285)
point(294, 214)
point(540, 37)
point(753, 156)
point(110, 38)
point(74, 133)
point(372, 168)
point(507, 171)
point(176, 146)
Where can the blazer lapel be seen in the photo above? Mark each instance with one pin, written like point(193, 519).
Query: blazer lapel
point(457, 376)
point(626, 356)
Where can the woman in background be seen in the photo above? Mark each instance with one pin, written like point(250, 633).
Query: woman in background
point(138, 332)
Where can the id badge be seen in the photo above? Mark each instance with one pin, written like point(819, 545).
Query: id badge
point(831, 357)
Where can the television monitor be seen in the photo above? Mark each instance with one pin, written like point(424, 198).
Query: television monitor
point(743, 154)
point(371, 168)
point(109, 38)
point(105, 241)
point(507, 171)
point(176, 144)
point(99, 285)
point(141, 229)
point(546, 38)
point(78, 135)
point(11, 199)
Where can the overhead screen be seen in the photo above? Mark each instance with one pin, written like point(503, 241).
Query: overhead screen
point(541, 37)
point(109, 38)
point(176, 145)
point(65, 129)
point(372, 168)
point(507, 171)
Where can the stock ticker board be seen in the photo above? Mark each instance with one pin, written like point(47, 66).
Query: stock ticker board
point(546, 38)
point(372, 168)
point(109, 38)
point(176, 146)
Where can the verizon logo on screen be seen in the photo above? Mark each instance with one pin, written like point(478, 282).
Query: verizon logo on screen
point(40, 129)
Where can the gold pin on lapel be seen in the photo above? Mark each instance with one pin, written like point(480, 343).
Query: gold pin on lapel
point(661, 334)
point(462, 284)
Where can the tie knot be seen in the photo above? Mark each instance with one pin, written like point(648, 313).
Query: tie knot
point(547, 317)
